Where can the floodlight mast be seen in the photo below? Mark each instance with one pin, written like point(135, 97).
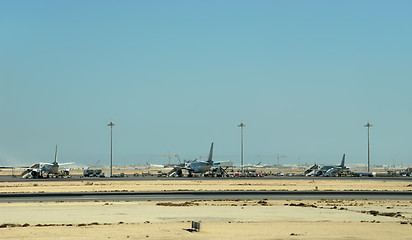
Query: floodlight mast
point(111, 125)
point(368, 125)
point(241, 125)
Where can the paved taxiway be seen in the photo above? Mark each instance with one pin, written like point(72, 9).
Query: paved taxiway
point(203, 195)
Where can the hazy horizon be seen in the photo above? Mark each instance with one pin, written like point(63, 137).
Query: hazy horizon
point(174, 76)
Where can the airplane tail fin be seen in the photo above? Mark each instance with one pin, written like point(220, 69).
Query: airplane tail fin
point(55, 156)
point(343, 161)
point(210, 154)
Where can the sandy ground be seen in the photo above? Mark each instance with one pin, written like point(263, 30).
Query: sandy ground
point(219, 230)
point(251, 219)
point(323, 219)
point(208, 185)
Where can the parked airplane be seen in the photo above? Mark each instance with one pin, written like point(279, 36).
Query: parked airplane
point(149, 165)
point(226, 164)
point(336, 171)
point(195, 166)
point(260, 165)
point(40, 170)
point(328, 171)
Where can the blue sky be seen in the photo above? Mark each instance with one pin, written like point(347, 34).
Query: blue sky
point(304, 76)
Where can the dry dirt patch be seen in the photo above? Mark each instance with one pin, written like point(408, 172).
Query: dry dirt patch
point(207, 185)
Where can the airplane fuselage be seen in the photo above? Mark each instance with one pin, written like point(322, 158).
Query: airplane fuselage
point(198, 167)
point(50, 169)
point(195, 167)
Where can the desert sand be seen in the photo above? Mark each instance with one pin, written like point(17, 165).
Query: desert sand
point(250, 219)
point(320, 184)
point(246, 219)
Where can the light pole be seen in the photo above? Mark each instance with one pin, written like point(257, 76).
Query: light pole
point(111, 125)
point(241, 125)
point(368, 125)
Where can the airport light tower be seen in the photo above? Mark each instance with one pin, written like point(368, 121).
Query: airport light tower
point(241, 125)
point(368, 125)
point(111, 125)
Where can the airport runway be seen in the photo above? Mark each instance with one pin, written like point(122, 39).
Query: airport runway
point(203, 195)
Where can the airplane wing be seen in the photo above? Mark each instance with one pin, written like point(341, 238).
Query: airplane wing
point(64, 164)
point(156, 165)
point(149, 165)
point(49, 164)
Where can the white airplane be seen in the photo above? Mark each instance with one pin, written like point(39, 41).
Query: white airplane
point(336, 171)
point(39, 170)
point(257, 165)
point(327, 171)
point(195, 166)
point(149, 165)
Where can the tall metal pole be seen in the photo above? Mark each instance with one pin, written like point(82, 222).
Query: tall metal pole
point(368, 125)
point(241, 125)
point(278, 160)
point(111, 125)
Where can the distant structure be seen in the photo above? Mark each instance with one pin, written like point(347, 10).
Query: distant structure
point(241, 125)
point(111, 125)
point(278, 159)
point(368, 125)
